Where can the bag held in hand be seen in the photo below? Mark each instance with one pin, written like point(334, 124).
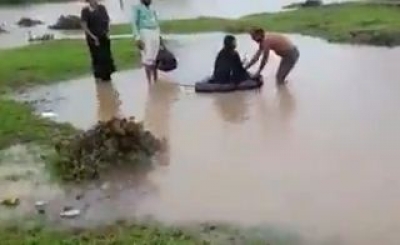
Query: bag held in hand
point(166, 60)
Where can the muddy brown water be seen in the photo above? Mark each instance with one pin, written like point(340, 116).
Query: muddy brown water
point(319, 157)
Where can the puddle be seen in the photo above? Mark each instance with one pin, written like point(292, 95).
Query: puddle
point(24, 176)
point(320, 157)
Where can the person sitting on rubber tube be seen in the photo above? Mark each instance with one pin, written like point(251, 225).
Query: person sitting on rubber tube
point(228, 67)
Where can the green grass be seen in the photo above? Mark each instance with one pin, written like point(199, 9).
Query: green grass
point(55, 61)
point(334, 22)
point(27, 231)
point(116, 234)
point(41, 64)
point(19, 125)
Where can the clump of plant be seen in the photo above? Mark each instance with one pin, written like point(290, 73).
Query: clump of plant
point(88, 154)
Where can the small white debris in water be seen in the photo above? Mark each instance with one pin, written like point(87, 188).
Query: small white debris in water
point(48, 114)
point(105, 186)
point(70, 213)
point(186, 89)
point(40, 204)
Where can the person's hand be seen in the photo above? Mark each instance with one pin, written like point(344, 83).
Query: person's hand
point(140, 44)
point(96, 41)
point(244, 61)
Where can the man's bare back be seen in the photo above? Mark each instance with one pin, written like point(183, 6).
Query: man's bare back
point(281, 45)
point(278, 43)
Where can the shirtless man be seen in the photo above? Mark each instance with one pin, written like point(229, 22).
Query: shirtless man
point(281, 46)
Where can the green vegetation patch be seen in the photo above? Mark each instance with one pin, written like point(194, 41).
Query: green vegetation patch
point(19, 125)
point(55, 61)
point(365, 23)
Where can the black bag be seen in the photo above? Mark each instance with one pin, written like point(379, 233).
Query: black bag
point(166, 60)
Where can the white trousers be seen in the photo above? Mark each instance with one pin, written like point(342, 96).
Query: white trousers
point(151, 41)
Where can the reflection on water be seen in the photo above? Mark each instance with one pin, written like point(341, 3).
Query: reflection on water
point(287, 103)
point(320, 157)
point(232, 107)
point(158, 107)
point(108, 99)
point(157, 114)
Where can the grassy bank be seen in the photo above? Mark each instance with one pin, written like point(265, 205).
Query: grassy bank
point(117, 234)
point(122, 233)
point(41, 64)
point(19, 125)
point(375, 24)
point(55, 61)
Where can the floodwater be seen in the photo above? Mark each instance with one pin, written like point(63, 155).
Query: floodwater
point(319, 157)
point(171, 9)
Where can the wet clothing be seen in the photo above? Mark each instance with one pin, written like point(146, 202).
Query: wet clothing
point(145, 27)
point(288, 61)
point(228, 68)
point(151, 40)
point(288, 52)
point(98, 21)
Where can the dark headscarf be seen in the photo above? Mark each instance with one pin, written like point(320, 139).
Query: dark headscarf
point(229, 42)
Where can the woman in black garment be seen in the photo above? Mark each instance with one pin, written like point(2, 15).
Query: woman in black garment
point(228, 67)
point(95, 23)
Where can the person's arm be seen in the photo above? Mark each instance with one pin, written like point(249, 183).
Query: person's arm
point(135, 23)
point(254, 59)
point(265, 55)
point(84, 21)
